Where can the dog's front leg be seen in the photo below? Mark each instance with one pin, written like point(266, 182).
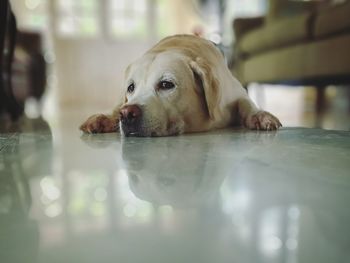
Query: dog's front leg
point(102, 123)
point(255, 119)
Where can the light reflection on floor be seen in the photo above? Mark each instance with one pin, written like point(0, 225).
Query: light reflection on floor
point(225, 196)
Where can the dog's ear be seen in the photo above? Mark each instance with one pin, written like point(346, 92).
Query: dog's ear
point(207, 84)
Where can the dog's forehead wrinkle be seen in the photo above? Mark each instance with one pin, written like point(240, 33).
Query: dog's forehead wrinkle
point(148, 67)
point(140, 68)
point(168, 63)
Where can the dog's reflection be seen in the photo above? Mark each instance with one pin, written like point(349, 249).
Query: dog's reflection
point(180, 171)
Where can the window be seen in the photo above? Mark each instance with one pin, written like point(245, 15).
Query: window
point(35, 15)
point(128, 18)
point(117, 19)
point(77, 17)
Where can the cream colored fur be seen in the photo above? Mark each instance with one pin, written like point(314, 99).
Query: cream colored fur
point(206, 95)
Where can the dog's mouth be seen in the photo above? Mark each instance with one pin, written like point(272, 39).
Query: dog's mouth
point(138, 131)
point(143, 132)
point(152, 128)
point(127, 132)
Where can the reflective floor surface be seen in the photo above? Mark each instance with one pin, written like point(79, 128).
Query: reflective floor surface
point(225, 196)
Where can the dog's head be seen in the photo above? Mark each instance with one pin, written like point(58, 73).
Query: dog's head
point(168, 93)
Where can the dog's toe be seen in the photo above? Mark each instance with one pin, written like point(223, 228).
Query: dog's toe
point(99, 123)
point(262, 120)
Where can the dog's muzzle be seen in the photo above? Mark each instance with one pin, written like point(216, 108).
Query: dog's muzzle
point(130, 119)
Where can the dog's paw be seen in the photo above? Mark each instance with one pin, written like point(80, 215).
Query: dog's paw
point(99, 123)
point(262, 120)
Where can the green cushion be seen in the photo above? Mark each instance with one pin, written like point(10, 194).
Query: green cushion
point(326, 58)
point(278, 34)
point(333, 20)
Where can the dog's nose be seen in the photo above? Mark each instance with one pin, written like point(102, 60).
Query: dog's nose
point(130, 114)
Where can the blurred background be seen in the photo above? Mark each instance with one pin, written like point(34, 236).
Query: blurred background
point(70, 55)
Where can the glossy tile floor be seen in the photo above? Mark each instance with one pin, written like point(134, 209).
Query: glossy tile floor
point(225, 196)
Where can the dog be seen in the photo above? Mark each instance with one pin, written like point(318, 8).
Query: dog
point(181, 85)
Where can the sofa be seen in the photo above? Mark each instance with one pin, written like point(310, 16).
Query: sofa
point(296, 43)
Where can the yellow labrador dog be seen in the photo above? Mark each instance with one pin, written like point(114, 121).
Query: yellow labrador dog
point(181, 85)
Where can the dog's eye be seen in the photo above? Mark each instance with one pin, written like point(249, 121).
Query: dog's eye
point(131, 88)
point(166, 85)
